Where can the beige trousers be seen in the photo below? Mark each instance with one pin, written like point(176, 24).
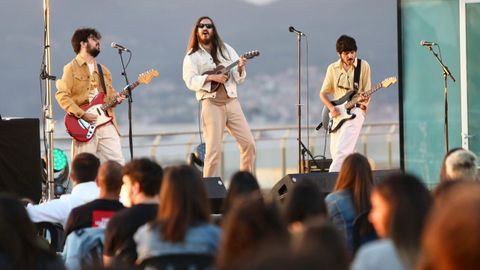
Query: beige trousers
point(105, 144)
point(215, 120)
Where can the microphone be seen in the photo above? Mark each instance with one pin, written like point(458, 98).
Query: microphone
point(292, 29)
point(427, 43)
point(120, 47)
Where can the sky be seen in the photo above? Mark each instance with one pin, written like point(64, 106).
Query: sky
point(157, 33)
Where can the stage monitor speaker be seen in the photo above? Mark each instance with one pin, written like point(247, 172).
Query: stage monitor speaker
point(216, 192)
point(20, 163)
point(324, 180)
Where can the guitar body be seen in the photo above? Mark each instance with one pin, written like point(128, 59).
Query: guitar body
point(220, 69)
point(346, 103)
point(333, 124)
point(81, 130)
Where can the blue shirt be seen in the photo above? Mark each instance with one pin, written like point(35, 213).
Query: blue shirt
point(201, 239)
point(379, 254)
point(342, 214)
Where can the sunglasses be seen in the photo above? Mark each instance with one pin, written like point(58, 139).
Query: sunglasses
point(207, 25)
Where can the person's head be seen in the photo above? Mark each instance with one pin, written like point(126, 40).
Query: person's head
point(109, 177)
point(322, 246)
point(84, 168)
point(183, 202)
point(205, 33)
point(18, 242)
point(400, 204)
point(249, 224)
point(142, 179)
point(303, 202)
point(356, 177)
point(451, 238)
point(87, 40)
point(461, 165)
point(241, 184)
point(443, 169)
point(347, 49)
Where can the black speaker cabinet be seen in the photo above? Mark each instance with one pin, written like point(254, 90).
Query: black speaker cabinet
point(20, 163)
point(216, 192)
point(324, 180)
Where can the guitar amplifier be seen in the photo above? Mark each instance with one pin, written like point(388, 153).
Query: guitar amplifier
point(318, 165)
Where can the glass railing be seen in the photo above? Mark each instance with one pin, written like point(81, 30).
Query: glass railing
point(277, 149)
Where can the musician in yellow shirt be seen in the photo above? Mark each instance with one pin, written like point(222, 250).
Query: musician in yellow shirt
point(339, 79)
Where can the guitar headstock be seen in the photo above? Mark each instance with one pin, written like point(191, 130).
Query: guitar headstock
point(147, 76)
point(251, 54)
point(388, 81)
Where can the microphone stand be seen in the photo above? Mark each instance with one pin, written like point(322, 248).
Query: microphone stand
point(130, 100)
point(49, 122)
point(306, 151)
point(299, 104)
point(446, 73)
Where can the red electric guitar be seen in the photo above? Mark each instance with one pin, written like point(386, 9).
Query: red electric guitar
point(82, 130)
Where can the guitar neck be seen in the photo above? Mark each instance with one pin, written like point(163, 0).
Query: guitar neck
point(232, 65)
point(113, 100)
point(367, 93)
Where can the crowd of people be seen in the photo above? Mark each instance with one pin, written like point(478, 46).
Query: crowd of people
point(165, 218)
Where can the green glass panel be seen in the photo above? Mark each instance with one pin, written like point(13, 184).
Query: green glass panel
point(472, 11)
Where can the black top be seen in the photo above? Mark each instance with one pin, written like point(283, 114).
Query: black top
point(119, 241)
point(96, 213)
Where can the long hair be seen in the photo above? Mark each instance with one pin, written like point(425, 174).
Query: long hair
point(409, 202)
point(241, 184)
point(249, 225)
point(217, 42)
point(305, 201)
point(18, 241)
point(451, 239)
point(183, 202)
point(356, 177)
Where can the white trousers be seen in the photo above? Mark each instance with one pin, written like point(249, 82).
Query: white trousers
point(105, 144)
point(343, 141)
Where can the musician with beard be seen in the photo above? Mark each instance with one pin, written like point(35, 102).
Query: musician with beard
point(339, 79)
point(80, 83)
point(220, 107)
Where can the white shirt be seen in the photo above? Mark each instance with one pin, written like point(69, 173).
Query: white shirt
point(199, 62)
point(57, 211)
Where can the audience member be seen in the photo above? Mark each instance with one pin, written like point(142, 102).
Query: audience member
point(98, 212)
point(182, 225)
point(451, 238)
point(399, 207)
point(242, 183)
point(142, 179)
point(303, 202)
point(83, 175)
point(461, 165)
point(20, 248)
point(322, 246)
point(249, 225)
point(443, 169)
point(351, 195)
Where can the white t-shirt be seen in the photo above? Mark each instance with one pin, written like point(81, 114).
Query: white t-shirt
point(94, 91)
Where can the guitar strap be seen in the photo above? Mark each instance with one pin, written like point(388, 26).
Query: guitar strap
point(356, 75)
point(102, 79)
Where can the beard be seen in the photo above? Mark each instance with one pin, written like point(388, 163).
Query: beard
point(205, 40)
point(92, 50)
